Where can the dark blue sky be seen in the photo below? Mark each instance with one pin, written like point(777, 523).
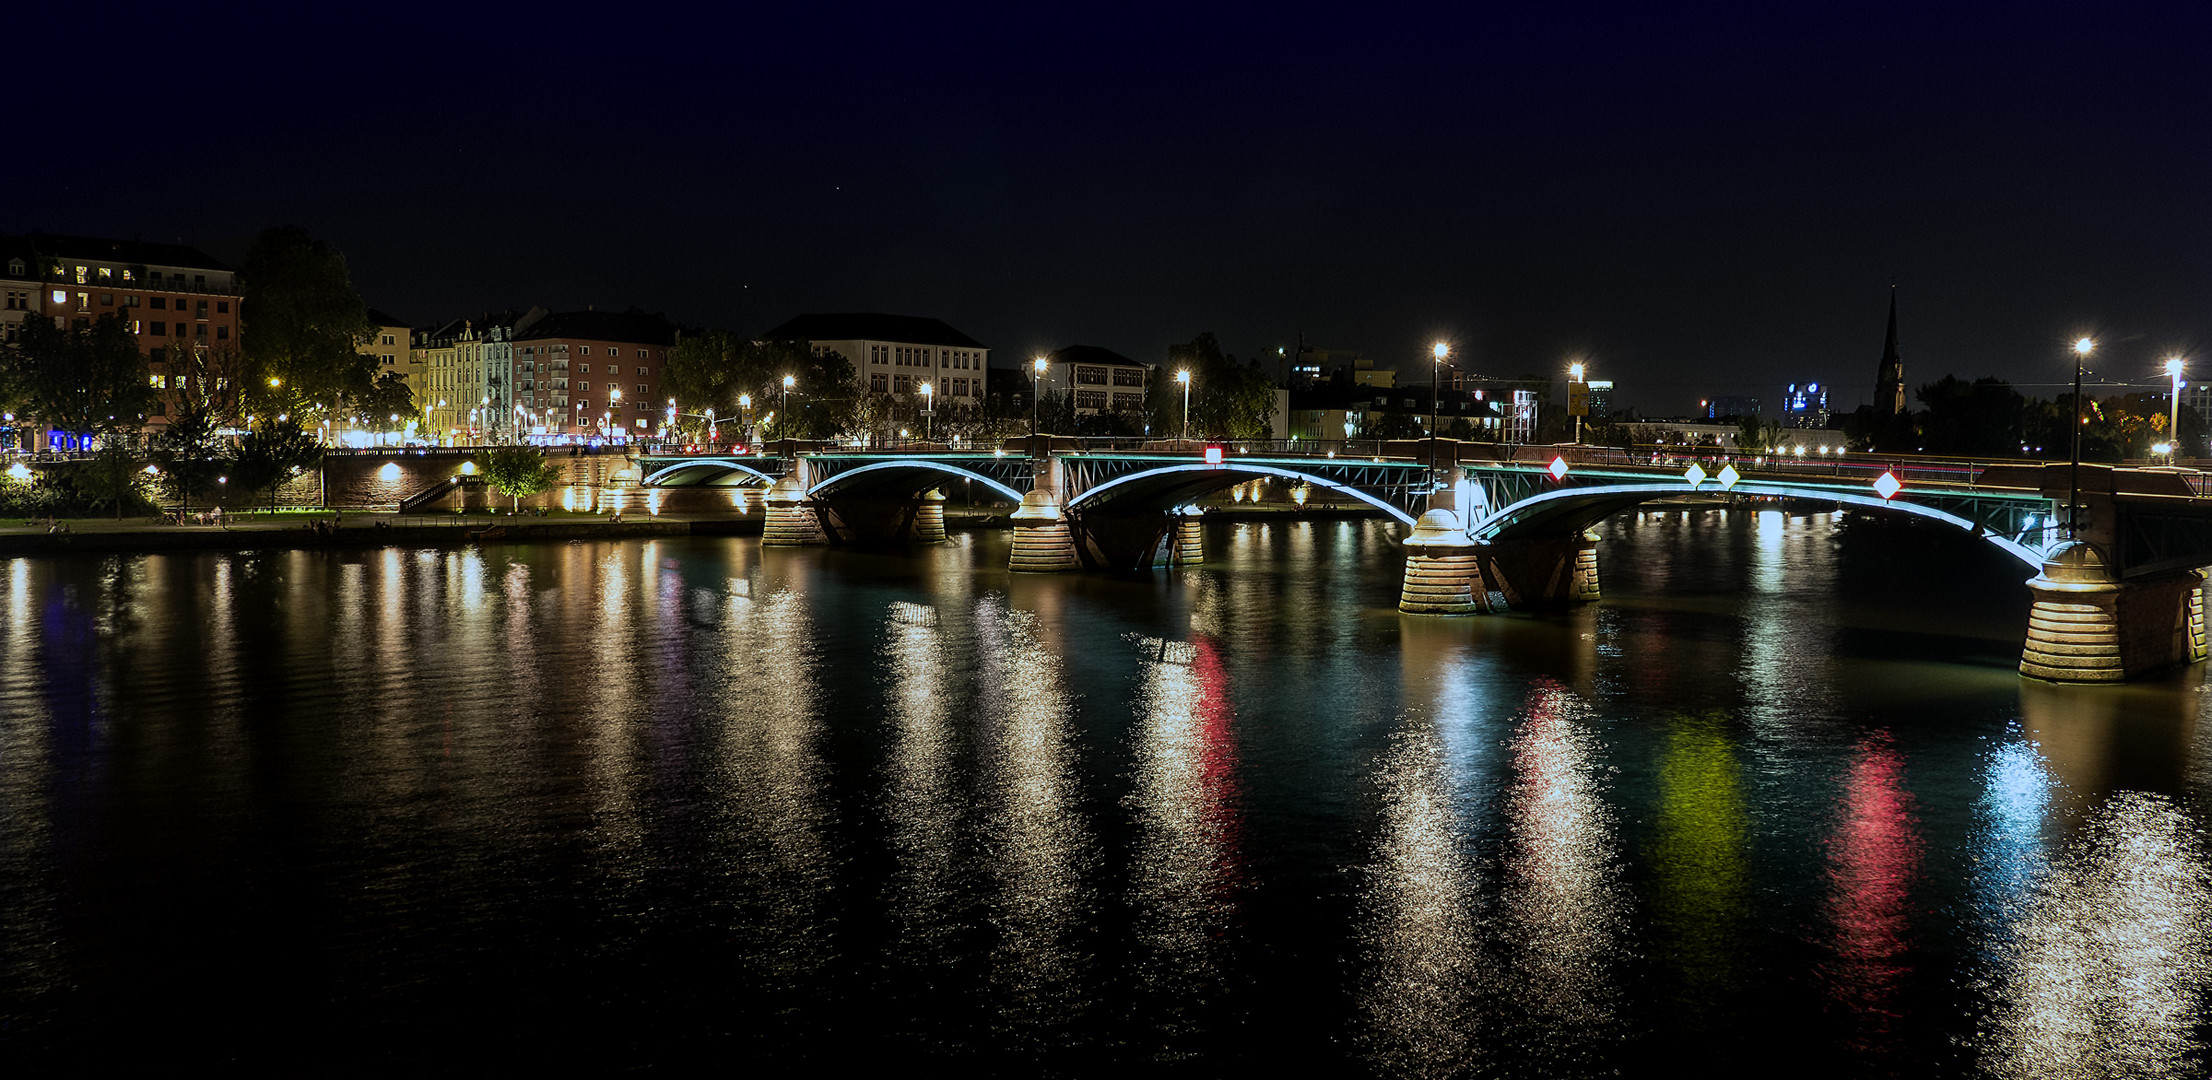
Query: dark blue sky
point(1703, 200)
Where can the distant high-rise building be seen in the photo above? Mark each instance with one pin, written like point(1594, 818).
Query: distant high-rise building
point(1601, 398)
point(1889, 380)
point(1730, 407)
point(1805, 406)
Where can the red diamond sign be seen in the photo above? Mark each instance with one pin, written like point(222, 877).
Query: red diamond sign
point(1558, 468)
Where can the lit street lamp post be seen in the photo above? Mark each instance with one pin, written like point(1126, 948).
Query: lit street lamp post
point(1183, 377)
point(784, 409)
point(2082, 349)
point(929, 410)
point(1436, 370)
point(2173, 425)
point(1574, 378)
point(1037, 390)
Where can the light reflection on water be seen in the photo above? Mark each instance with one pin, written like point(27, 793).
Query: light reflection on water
point(799, 803)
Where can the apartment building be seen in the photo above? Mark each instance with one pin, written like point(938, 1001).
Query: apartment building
point(896, 354)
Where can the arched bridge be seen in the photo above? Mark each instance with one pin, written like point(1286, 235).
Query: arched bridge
point(1508, 522)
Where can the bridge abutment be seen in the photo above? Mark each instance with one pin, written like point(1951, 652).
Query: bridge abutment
point(2085, 627)
point(1443, 574)
point(929, 518)
point(1189, 545)
point(1043, 543)
point(791, 520)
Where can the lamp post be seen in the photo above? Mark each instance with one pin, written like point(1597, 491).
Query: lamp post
point(2082, 349)
point(929, 410)
point(2173, 426)
point(614, 405)
point(1183, 377)
point(784, 409)
point(1441, 351)
point(1574, 378)
point(1037, 389)
point(744, 418)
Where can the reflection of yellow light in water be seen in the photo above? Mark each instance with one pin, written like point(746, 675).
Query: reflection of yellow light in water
point(2107, 971)
point(1698, 862)
point(1562, 897)
point(1419, 1000)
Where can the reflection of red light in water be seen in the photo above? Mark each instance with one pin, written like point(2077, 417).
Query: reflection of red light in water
point(1217, 757)
point(1874, 857)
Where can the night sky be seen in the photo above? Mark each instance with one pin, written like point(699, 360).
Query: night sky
point(1702, 201)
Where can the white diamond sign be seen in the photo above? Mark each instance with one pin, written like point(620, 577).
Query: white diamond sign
point(1887, 485)
point(1558, 468)
point(1695, 475)
point(1729, 476)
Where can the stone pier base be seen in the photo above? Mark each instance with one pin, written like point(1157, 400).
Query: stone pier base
point(1043, 543)
point(791, 519)
point(1187, 543)
point(1443, 573)
point(2086, 627)
point(1586, 570)
point(929, 518)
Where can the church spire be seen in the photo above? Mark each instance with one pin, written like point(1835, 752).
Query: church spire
point(1889, 380)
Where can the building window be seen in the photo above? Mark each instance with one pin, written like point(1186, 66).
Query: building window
point(158, 303)
point(107, 299)
point(222, 307)
point(582, 386)
point(879, 382)
point(158, 327)
point(584, 367)
point(586, 350)
point(222, 333)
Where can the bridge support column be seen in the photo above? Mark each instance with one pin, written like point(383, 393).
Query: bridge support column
point(1188, 545)
point(929, 518)
point(2086, 627)
point(1443, 570)
point(1043, 543)
point(1586, 569)
point(791, 519)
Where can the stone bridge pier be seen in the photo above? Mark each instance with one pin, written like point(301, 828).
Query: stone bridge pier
point(2089, 626)
point(1450, 573)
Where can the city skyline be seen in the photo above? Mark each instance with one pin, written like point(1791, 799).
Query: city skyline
point(1698, 204)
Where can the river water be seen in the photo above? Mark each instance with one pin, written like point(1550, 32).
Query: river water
point(1778, 803)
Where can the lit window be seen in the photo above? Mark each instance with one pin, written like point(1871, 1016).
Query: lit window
point(61, 296)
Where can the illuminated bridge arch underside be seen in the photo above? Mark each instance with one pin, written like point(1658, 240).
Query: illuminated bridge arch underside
point(711, 472)
point(1159, 489)
point(904, 478)
point(2017, 524)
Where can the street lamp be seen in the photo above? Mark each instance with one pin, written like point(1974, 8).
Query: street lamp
point(2173, 426)
point(929, 410)
point(1442, 351)
point(1573, 377)
point(745, 417)
point(2082, 349)
point(614, 402)
point(785, 408)
point(1183, 377)
point(1037, 390)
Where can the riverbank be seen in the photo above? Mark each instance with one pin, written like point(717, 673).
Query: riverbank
point(348, 530)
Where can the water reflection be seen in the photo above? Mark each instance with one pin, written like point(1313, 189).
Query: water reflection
point(2107, 970)
point(1040, 845)
point(1421, 998)
point(1563, 907)
point(1697, 895)
point(1188, 862)
point(1874, 859)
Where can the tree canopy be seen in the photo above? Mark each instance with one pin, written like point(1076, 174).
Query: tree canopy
point(715, 368)
point(1227, 399)
point(301, 323)
point(87, 378)
point(276, 449)
point(517, 471)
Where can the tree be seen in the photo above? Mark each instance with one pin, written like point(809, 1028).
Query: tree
point(273, 452)
point(1755, 434)
point(1984, 418)
point(302, 324)
point(714, 369)
point(1227, 399)
point(517, 471)
point(187, 449)
point(1389, 425)
point(389, 405)
point(116, 476)
point(89, 379)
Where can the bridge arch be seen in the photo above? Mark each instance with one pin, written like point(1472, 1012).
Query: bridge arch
point(663, 477)
point(1168, 486)
point(913, 475)
point(1572, 509)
